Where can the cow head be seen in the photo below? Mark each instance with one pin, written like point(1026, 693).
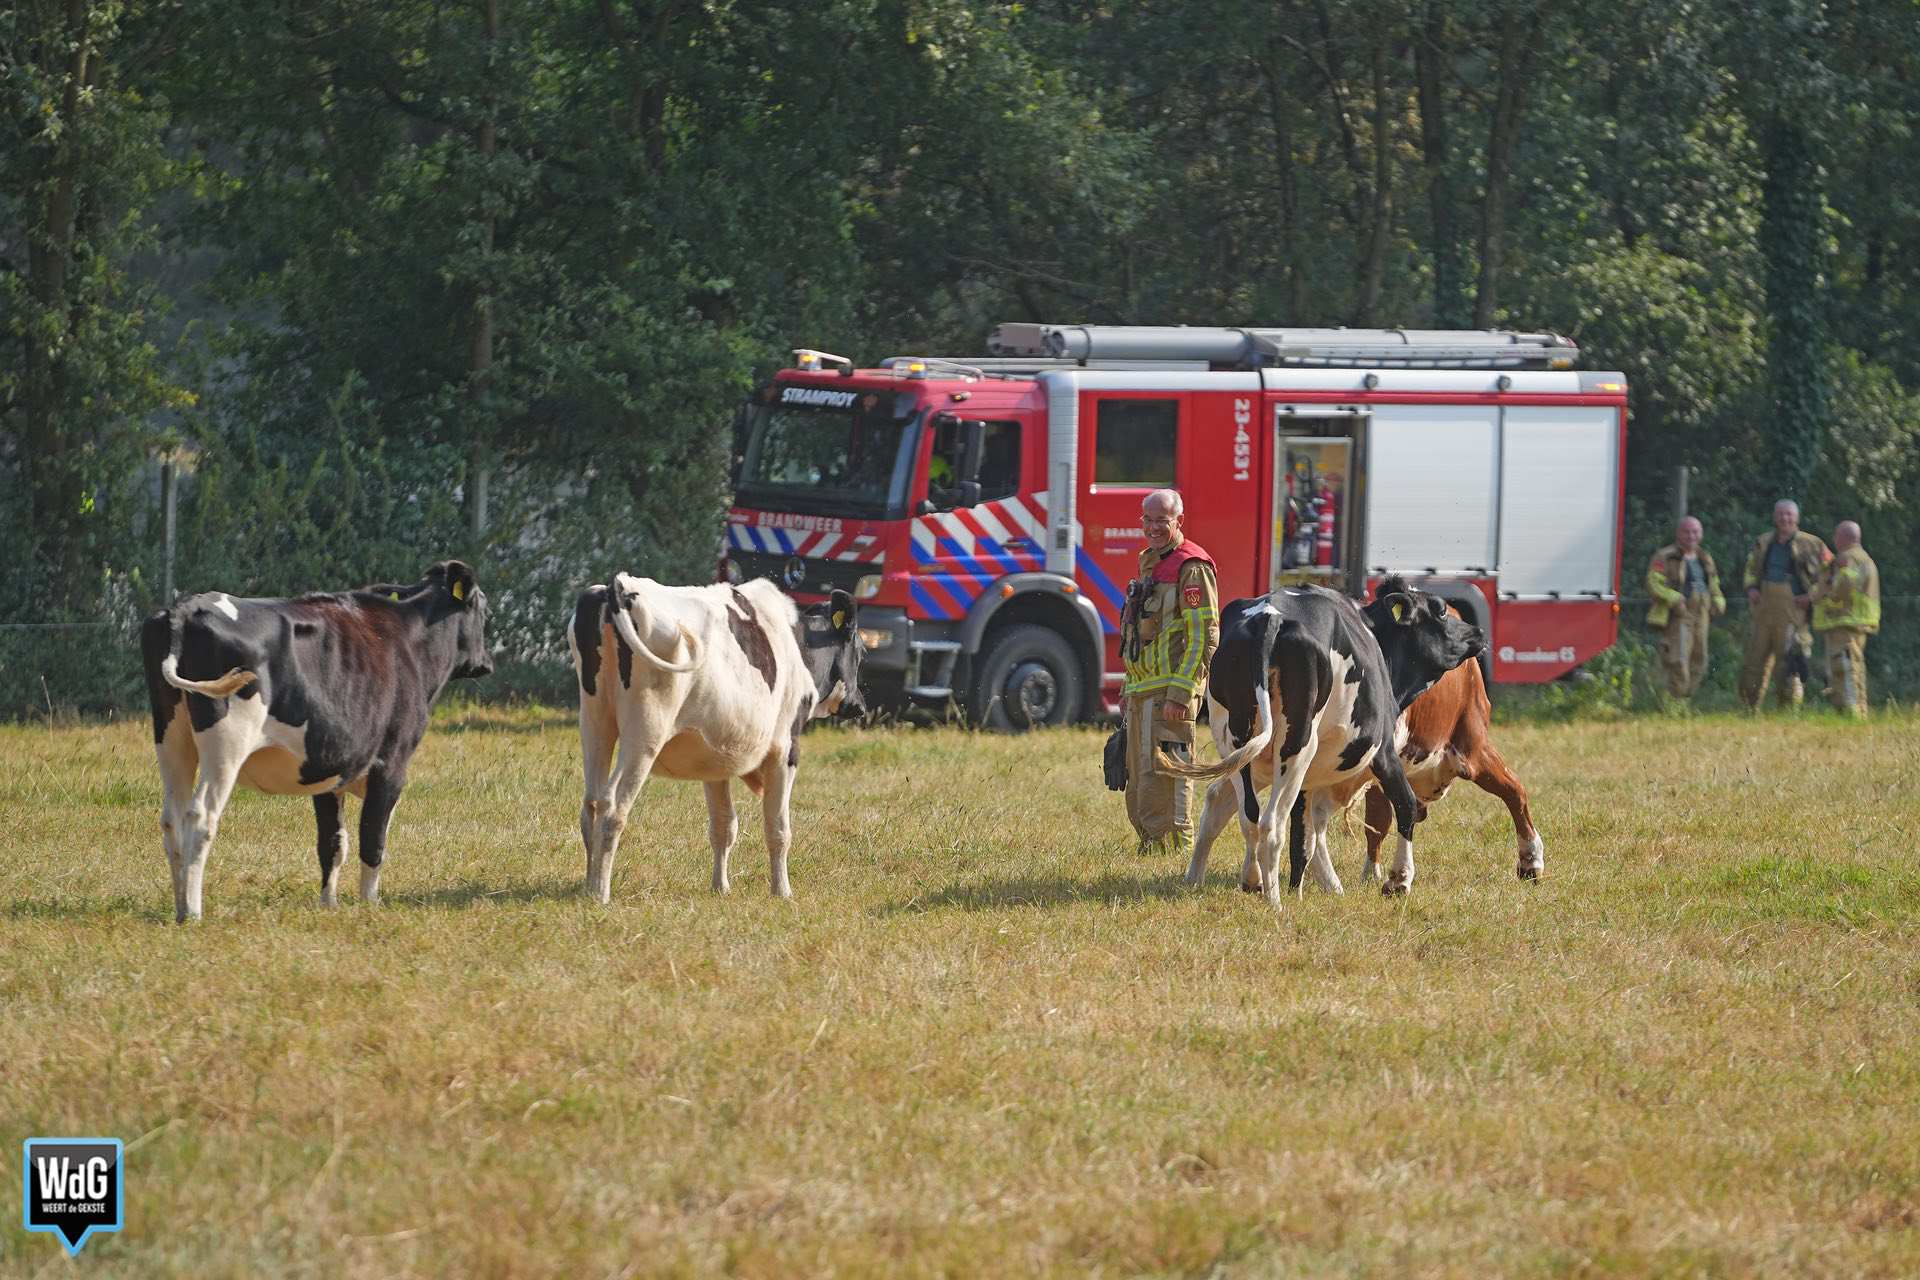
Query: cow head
point(1419, 636)
point(468, 616)
point(830, 642)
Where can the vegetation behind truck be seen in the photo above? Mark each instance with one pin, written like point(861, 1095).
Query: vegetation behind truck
point(986, 511)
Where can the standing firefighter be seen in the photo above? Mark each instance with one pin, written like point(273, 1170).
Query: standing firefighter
point(1781, 574)
point(1685, 586)
point(1846, 610)
point(1168, 633)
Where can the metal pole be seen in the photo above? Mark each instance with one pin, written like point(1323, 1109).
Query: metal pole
point(169, 486)
point(1680, 511)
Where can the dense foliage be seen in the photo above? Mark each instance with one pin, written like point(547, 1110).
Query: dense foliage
point(401, 280)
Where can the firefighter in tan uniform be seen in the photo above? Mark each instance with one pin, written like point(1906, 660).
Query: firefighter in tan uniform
point(1781, 573)
point(1846, 610)
point(1685, 586)
point(1167, 636)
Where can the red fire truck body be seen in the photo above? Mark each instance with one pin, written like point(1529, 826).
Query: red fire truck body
point(986, 513)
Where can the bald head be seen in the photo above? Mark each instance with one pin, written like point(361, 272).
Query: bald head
point(1846, 534)
point(1687, 533)
point(1160, 517)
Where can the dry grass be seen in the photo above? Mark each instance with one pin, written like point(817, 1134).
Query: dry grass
point(985, 1039)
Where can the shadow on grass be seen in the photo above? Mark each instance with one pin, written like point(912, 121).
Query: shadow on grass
point(462, 896)
point(480, 722)
point(471, 893)
point(1054, 891)
point(122, 906)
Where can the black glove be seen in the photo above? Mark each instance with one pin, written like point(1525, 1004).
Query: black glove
point(1115, 764)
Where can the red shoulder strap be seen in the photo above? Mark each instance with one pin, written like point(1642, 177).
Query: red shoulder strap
point(1170, 565)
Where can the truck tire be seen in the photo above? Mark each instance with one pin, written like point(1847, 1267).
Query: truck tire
point(1027, 677)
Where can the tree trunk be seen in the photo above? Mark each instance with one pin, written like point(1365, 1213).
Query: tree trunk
point(1432, 65)
point(1373, 261)
point(1791, 240)
point(1519, 43)
point(1293, 287)
point(54, 480)
point(480, 348)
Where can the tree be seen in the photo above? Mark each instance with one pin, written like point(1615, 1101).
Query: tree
point(82, 147)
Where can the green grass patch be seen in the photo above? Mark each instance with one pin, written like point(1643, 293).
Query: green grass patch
point(986, 1037)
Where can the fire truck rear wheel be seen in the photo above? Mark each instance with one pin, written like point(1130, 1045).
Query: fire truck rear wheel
point(1028, 677)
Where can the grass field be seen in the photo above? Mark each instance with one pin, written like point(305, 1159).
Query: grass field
point(985, 1038)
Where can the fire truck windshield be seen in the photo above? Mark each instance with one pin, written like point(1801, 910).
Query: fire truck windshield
point(854, 459)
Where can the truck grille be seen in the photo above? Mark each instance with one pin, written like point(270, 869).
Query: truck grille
point(816, 577)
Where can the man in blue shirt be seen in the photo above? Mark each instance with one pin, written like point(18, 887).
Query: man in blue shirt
point(1781, 573)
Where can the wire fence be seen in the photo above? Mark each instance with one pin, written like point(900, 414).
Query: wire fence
point(92, 667)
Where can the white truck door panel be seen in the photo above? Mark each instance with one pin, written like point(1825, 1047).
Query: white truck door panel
point(1559, 487)
point(1432, 476)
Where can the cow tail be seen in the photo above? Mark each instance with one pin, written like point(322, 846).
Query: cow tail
point(623, 627)
point(226, 686)
point(1262, 737)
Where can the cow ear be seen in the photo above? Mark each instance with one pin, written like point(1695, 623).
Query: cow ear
point(841, 612)
point(1400, 607)
point(460, 581)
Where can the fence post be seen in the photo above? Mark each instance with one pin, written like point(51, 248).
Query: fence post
point(1680, 494)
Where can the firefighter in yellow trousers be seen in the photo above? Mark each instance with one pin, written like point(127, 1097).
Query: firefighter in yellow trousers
point(1846, 610)
point(1781, 573)
point(1685, 586)
point(1167, 636)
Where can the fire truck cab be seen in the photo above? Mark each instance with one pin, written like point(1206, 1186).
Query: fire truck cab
point(985, 511)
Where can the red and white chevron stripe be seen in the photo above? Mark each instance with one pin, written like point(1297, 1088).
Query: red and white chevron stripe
point(1006, 521)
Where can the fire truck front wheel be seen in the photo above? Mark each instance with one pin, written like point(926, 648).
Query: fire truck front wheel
point(1027, 677)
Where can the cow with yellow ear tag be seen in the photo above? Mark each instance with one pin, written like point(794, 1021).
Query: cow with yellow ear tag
point(1305, 696)
point(705, 684)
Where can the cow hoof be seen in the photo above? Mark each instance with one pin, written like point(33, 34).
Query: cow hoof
point(1393, 888)
point(1533, 860)
point(1250, 888)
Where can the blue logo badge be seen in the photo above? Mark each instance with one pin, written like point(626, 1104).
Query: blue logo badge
point(70, 1186)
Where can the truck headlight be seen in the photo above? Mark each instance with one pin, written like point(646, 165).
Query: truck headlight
point(873, 639)
point(866, 588)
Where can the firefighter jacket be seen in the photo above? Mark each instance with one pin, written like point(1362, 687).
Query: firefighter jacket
point(1172, 623)
point(1848, 594)
point(1808, 553)
point(1666, 581)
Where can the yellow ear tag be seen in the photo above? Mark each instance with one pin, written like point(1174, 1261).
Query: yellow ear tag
point(1399, 610)
point(394, 595)
point(839, 618)
point(459, 591)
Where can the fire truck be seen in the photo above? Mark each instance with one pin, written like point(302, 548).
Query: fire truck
point(985, 511)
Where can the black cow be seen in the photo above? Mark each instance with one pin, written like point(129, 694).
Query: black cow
point(311, 696)
point(1304, 691)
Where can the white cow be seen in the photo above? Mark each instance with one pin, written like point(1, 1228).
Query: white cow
point(705, 684)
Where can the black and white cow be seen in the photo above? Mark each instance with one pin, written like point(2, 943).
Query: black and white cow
point(1304, 691)
point(310, 696)
point(704, 684)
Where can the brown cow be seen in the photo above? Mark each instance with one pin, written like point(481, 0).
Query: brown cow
point(1448, 737)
